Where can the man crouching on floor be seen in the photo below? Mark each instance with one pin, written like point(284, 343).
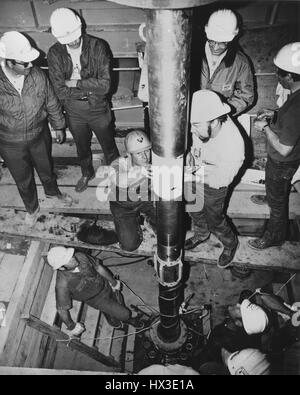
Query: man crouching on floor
point(82, 277)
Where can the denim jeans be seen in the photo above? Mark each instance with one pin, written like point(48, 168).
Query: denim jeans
point(127, 222)
point(82, 121)
point(211, 219)
point(278, 187)
point(21, 160)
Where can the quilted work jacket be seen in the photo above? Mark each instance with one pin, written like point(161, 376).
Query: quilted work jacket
point(233, 79)
point(95, 72)
point(23, 117)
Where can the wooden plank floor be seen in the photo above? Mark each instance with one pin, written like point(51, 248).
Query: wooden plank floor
point(10, 268)
point(68, 174)
point(240, 205)
point(285, 257)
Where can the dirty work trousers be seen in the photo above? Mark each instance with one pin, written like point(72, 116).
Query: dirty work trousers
point(21, 159)
point(106, 302)
point(82, 121)
point(128, 223)
point(211, 219)
point(278, 186)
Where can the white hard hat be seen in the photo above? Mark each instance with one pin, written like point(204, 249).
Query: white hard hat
point(137, 141)
point(207, 106)
point(59, 256)
point(65, 25)
point(288, 58)
point(172, 370)
point(222, 26)
point(249, 362)
point(254, 318)
point(14, 45)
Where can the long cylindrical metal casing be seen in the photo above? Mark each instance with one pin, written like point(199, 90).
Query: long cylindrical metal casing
point(169, 51)
point(168, 46)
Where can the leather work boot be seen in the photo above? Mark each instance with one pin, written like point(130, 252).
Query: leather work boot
point(31, 219)
point(241, 272)
point(83, 182)
point(136, 322)
point(62, 198)
point(259, 199)
point(226, 258)
point(96, 235)
point(114, 322)
point(263, 243)
point(194, 241)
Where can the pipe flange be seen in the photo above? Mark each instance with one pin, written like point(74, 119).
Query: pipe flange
point(169, 347)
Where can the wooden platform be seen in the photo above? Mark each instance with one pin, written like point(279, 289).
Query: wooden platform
point(240, 205)
point(10, 268)
point(31, 330)
point(20, 345)
point(56, 229)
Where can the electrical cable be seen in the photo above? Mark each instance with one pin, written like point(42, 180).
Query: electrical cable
point(126, 263)
point(131, 255)
point(257, 291)
point(284, 285)
point(144, 303)
point(113, 337)
point(144, 329)
point(155, 310)
point(141, 258)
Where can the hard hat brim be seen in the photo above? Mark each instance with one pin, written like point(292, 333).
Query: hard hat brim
point(70, 37)
point(285, 67)
point(196, 118)
point(219, 37)
point(141, 150)
point(30, 56)
point(287, 58)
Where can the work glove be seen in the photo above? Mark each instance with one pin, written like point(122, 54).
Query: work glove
point(77, 331)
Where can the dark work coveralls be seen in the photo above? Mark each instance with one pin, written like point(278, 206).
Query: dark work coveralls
point(87, 286)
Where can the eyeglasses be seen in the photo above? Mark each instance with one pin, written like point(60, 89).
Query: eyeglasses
point(15, 62)
point(220, 44)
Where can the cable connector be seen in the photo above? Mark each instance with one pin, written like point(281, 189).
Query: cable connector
point(185, 303)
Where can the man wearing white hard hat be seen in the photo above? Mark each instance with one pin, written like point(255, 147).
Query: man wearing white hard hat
point(27, 101)
point(242, 328)
point(248, 362)
point(253, 318)
point(79, 69)
point(225, 69)
point(219, 147)
point(132, 179)
point(282, 132)
point(82, 277)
